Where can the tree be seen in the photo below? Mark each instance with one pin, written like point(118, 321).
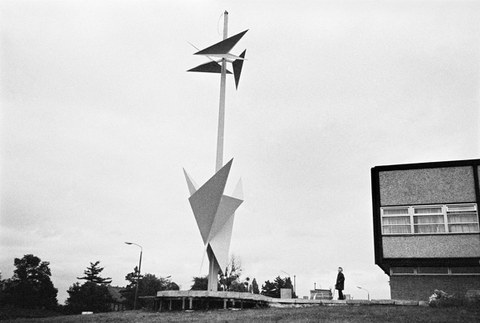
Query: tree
point(200, 283)
point(30, 286)
point(230, 280)
point(149, 285)
point(255, 287)
point(93, 295)
point(238, 286)
point(272, 289)
point(92, 274)
point(133, 277)
point(88, 297)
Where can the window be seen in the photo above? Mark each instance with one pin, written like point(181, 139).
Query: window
point(430, 219)
point(396, 221)
point(465, 270)
point(462, 218)
point(432, 270)
point(435, 271)
point(402, 270)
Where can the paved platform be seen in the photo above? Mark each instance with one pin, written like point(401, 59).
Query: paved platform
point(187, 299)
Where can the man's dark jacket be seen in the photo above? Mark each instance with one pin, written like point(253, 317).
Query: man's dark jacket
point(340, 281)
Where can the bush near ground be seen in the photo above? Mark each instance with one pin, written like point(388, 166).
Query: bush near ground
point(441, 299)
point(10, 312)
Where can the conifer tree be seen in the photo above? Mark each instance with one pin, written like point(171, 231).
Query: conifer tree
point(92, 274)
point(255, 289)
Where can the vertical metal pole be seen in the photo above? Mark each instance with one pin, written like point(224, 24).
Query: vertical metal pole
point(295, 284)
point(213, 267)
point(213, 270)
point(221, 112)
point(138, 279)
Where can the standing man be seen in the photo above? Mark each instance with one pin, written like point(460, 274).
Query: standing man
point(340, 283)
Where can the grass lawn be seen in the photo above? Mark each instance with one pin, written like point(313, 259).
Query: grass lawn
point(374, 313)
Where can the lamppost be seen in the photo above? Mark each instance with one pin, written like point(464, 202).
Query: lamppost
point(368, 293)
point(138, 276)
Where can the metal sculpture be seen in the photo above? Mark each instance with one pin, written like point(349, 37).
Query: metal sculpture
point(214, 211)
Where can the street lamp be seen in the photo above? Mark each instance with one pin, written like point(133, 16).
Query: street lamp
point(138, 277)
point(368, 293)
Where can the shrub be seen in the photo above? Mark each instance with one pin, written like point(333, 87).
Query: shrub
point(441, 299)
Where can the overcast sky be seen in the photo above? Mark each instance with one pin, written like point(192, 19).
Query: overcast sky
point(99, 116)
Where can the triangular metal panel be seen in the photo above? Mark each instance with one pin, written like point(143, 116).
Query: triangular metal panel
point(192, 186)
point(228, 206)
point(206, 199)
point(229, 57)
point(211, 257)
point(238, 191)
point(222, 47)
point(221, 243)
point(237, 68)
point(210, 67)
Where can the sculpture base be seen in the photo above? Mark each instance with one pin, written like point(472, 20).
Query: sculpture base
point(202, 300)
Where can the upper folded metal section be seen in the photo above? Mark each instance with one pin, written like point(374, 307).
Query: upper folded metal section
point(210, 67)
point(222, 47)
point(237, 68)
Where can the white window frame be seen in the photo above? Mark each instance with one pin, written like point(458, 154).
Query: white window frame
point(442, 213)
point(417, 272)
point(396, 216)
point(452, 206)
point(411, 215)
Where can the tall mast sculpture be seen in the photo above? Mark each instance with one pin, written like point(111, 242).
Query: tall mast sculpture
point(214, 211)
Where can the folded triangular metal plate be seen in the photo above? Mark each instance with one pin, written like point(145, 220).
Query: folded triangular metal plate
point(238, 191)
point(237, 68)
point(226, 209)
point(229, 57)
point(221, 243)
point(222, 47)
point(192, 186)
point(211, 256)
point(206, 200)
point(210, 67)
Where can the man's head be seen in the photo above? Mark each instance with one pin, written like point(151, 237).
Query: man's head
point(340, 269)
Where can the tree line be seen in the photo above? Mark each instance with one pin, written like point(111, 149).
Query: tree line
point(30, 287)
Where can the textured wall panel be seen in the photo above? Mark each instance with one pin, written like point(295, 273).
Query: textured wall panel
point(419, 288)
point(431, 246)
point(426, 186)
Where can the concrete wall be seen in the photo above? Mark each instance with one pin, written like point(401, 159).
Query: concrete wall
point(432, 246)
point(427, 186)
point(420, 287)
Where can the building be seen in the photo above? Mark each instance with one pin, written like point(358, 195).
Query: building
point(118, 303)
point(426, 228)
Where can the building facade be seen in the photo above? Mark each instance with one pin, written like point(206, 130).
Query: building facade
point(426, 227)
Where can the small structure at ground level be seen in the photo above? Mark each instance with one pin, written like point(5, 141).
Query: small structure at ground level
point(118, 300)
point(426, 227)
point(285, 293)
point(321, 294)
